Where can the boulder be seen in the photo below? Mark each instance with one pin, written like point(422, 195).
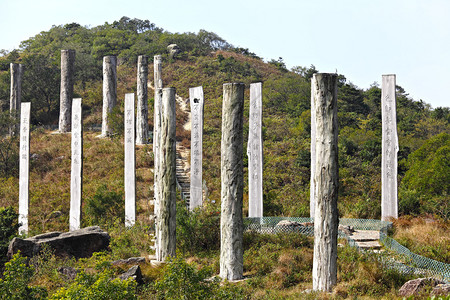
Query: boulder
point(129, 261)
point(348, 230)
point(286, 225)
point(133, 272)
point(415, 286)
point(173, 50)
point(441, 290)
point(78, 243)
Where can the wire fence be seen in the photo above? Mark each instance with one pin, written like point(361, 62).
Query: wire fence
point(399, 257)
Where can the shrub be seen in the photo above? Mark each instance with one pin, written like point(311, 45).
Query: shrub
point(16, 277)
point(8, 229)
point(105, 207)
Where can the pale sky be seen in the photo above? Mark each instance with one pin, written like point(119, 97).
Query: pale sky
point(362, 39)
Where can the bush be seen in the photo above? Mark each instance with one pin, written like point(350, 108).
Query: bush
point(9, 147)
point(182, 281)
point(105, 207)
point(8, 229)
point(16, 277)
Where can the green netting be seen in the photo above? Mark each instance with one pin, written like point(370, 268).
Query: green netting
point(401, 259)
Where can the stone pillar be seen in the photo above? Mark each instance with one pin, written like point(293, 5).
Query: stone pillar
point(76, 174)
point(232, 177)
point(389, 148)
point(313, 153)
point(142, 101)
point(157, 64)
point(326, 179)
point(130, 162)
point(255, 153)
point(197, 104)
point(15, 94)
point(166, 185)
point(24, 166)
point(109, 92)
point(66, 93)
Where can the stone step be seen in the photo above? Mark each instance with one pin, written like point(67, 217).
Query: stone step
point(373, 245)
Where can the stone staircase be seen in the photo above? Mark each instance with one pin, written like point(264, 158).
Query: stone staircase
point(367, 240)
point(183, 174)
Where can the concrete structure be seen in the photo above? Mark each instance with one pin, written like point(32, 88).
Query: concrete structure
point(255, 153)
point(66, 92)
point(109, 92)
point(232, 177)
point(15, 94)
point(142, 101)
point(197, 104)
point(389, 149)
point(76, 173)
point(130, 162)
point(326, 180)
point(24, 166)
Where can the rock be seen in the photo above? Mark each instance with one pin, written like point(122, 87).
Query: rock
point(441, 290)
point(286, 225)
point(173, 50)
point(78, 243)
point(348, 230)
point(69, 272)
point(133, 272)
point(414, 287)
point(129, 261)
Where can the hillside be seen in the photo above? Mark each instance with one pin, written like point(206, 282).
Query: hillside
point(209, 61)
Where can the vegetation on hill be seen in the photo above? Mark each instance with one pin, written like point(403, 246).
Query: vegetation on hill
point(279, 266)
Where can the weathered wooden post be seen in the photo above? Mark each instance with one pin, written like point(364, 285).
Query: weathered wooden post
point(130, 162)
point(312, 197)
point(232, 177)
point(326, 179)
point(158, 84)
point(109, 92)
point(66, 93)
point(15, 95)
point(166, 185)
point(76, 174)
point(389, 148)
point(24, 166)
point(255, 153)
point(142, 101)
point(196, 102)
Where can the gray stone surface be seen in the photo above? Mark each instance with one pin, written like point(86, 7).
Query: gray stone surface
point(157, 66)
point(416, 286)
point(129, 261)
point(130, 162)
point(133, 272)
point(66, 92)
point(174, 50)
point(389, 148)
point(109, 92)
point(255, 153)
point(231, 219)
point(142, 101)
point(166, 184)
point(197, 104)
point(313, 155)
point(76, 174)
point(24, 166)
point(442, 289)
point(326, 179)
point(78, 243)
point(15, 94)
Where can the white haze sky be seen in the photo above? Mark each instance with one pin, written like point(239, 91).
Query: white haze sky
point(361, 39)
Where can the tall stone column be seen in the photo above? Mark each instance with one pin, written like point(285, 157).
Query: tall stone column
point(109, 92)
point(255, 153)
point(142, 101)
point(326, 179)
point(157, 65)
point(24, 166)
point(232, 177)
point(166, 185)
point(15, 94)
point(76, 173)
point(313, 153)
point(196, 102)
point(66, 93)
point(389, 148)
point(130, 162)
